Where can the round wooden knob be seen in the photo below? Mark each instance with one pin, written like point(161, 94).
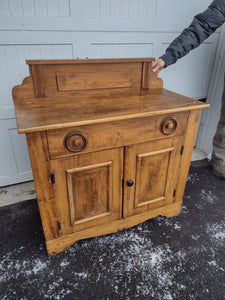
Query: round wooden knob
point(75, 141)
point(168, 125)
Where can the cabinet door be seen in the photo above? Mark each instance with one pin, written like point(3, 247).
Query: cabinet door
point(150, 175)
point(88, 189)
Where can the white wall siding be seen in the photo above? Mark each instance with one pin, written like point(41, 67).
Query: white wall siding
point(119, 50)
point(119, 9)
point(177, 10)
point(14, 158)
point(14, 69)
point(45, 8)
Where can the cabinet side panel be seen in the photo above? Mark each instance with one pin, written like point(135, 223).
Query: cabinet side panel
point(41, 172)
point(187, 152)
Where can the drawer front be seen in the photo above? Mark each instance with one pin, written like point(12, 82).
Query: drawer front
point(89, 138)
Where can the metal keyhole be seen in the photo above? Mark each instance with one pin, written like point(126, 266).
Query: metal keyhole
point(130, 182)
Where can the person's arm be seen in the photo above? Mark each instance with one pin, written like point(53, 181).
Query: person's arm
point(202, 26)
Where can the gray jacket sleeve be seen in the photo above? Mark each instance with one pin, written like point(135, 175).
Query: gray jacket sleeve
point(202, 26)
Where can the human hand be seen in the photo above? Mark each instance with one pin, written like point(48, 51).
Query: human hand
point(158, 65)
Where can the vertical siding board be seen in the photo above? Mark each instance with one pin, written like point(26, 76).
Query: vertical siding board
point(34, 51)
point(45, 51)
point(4, 8)
point(64, 8)
point(67, 51)
point(80, 9)
point(179, 12)
point(28, 7)
point(61, 51)
point(23, 54)
point(124, 9)
point(53, 8)
point(5, 99)
point(115, 8)
point(110, 51)
point(143, 10)
point(94, 6)
point(117, 50)
point(13, 75)
point(19, 143)
point(130, 51)
point(9, 163)
point(15, 7)
point(56, 51)
point(133, 8)
point(148, 50)
point(41, 8)
point(13, 65)
point(105, 9)
point(8, 166)
point(122, 50)
point(94, 51)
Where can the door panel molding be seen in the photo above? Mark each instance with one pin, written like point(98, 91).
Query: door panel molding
point(92, 189)
point(85, 200)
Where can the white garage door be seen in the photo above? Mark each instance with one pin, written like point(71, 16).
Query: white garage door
point(51, 29)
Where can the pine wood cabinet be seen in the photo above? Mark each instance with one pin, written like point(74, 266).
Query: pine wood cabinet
point(109, 147)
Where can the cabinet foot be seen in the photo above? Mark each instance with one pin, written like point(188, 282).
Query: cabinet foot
point(171, 212)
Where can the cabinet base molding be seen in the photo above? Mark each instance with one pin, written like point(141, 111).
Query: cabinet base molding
point(60, 244)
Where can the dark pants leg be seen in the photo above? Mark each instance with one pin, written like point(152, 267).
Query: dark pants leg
point(218, 155)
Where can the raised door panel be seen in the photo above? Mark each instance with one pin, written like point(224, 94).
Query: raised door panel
point(151, 175)
point(92, 79)
point(89, 81)
point(88, 189)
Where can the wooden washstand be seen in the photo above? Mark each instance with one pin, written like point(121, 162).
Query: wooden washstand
point(109, 147)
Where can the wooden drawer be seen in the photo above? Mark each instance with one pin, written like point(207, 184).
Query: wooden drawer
point(89, 138)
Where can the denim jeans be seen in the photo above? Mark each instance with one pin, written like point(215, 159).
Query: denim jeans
point(218, 154)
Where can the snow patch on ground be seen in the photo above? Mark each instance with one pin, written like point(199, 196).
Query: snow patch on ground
point(216, 232)
point(207, 196)
point(149, 263)
point(12, 269)
point(195, 237)
point(192, 178)
point(184, 209)
point(64, 263)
